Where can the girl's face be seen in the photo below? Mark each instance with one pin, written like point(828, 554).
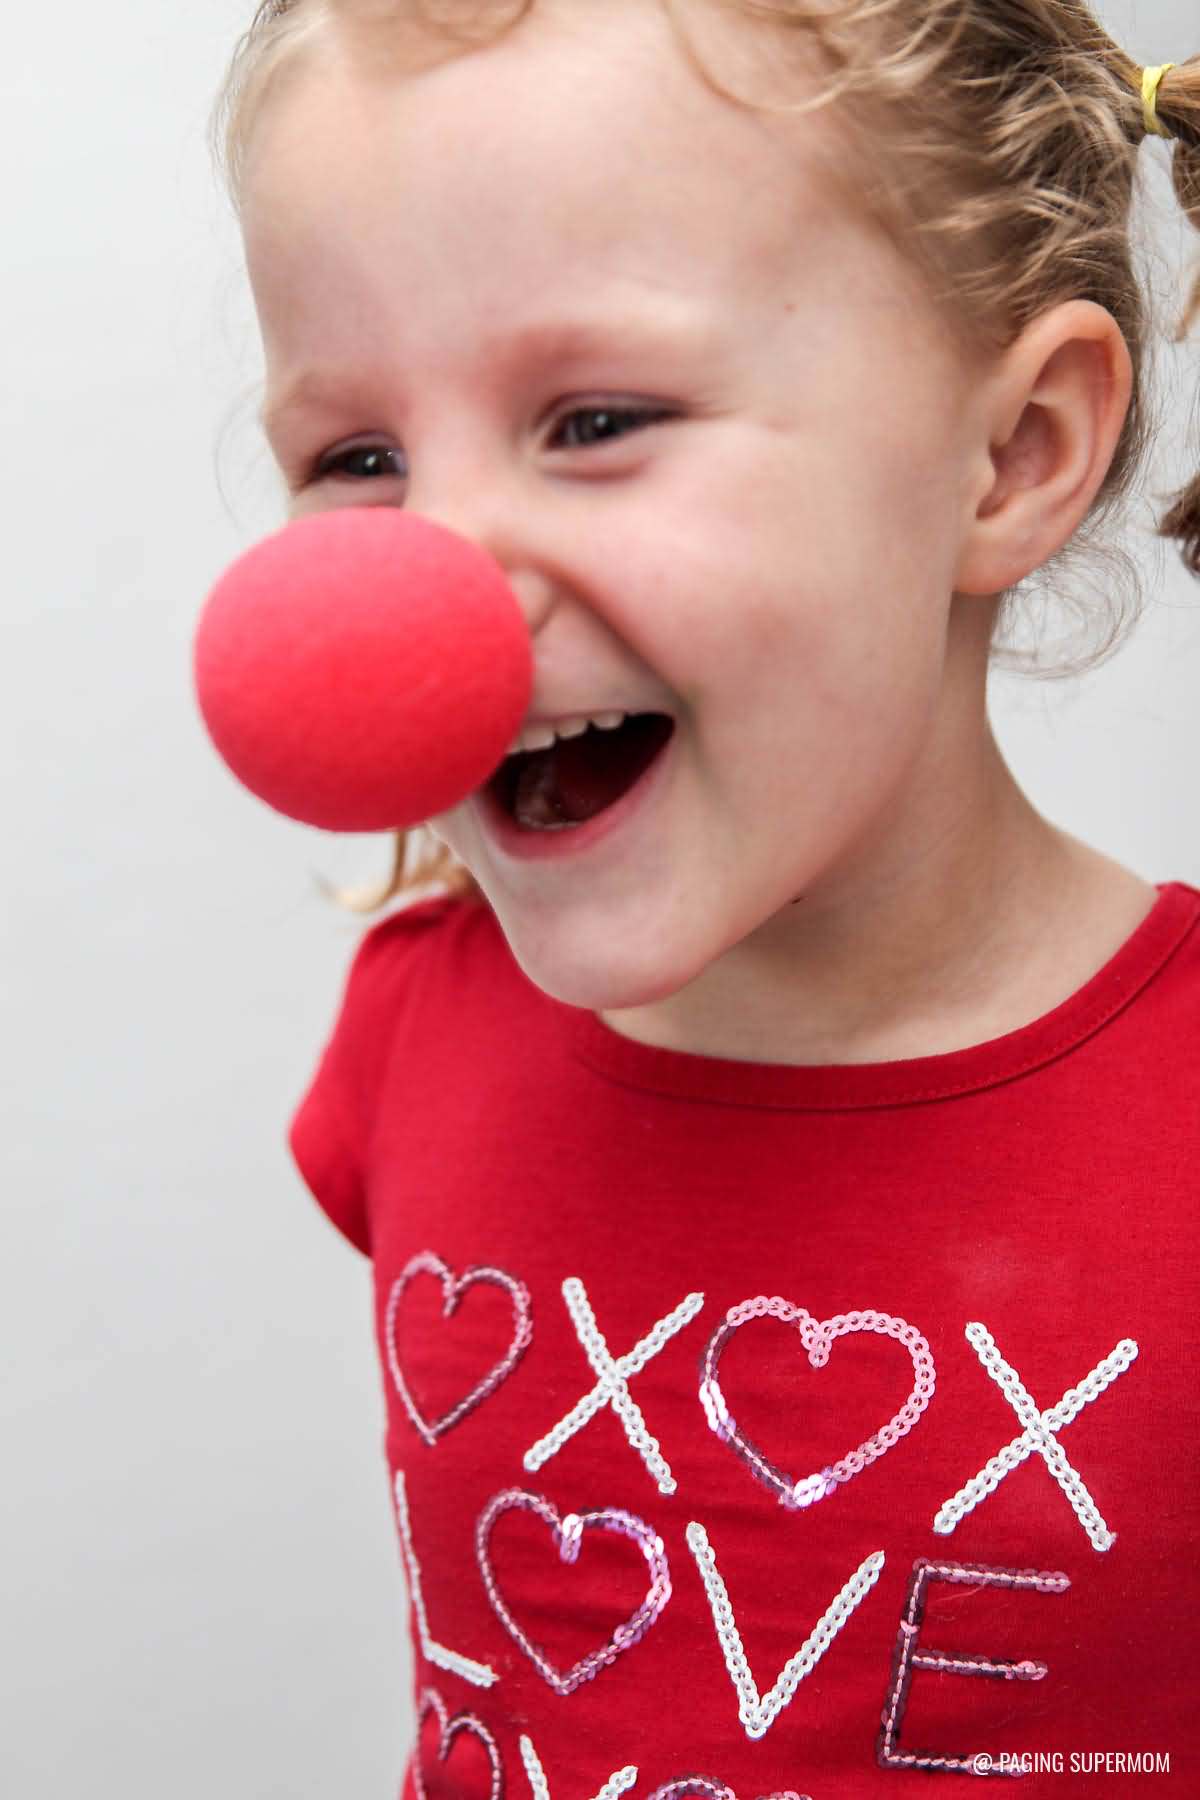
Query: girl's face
point(459, 269)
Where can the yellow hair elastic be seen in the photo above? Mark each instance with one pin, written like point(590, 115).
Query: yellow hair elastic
point(1150, 81)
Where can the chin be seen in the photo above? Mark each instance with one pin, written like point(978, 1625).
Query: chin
point(594, 970)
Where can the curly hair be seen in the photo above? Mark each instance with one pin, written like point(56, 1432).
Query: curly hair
point(1009, 131)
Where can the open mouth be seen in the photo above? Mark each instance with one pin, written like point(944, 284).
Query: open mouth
point(578, 777)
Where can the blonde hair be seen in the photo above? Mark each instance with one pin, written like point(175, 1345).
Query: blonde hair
point(1012, 130)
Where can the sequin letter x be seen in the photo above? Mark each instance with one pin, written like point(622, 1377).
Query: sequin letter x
point(612, 1388)
point(1038, 1434)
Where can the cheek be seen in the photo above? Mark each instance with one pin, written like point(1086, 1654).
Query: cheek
point(856, 596)
point(817, 664)
point(454, 830)
point(773, 597)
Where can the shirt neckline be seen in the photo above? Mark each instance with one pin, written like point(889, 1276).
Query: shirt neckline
point(846, 1086)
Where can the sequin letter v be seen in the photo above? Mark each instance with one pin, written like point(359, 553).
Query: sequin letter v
point(758, 1712)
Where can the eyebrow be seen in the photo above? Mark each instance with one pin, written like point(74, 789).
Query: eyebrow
point(308, 391)
point(561, 340)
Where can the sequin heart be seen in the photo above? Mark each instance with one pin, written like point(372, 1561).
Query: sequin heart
point(450, 1727)
point(817, 1336)
point(453, 1289)
point(568, 1533)
point(704, 1789)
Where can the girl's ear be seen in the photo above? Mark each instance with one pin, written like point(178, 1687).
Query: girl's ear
point(1052, 413)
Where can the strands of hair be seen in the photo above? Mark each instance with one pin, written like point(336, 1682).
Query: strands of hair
point(1012, 131)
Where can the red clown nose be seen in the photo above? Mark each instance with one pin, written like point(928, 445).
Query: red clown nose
point(363, 669)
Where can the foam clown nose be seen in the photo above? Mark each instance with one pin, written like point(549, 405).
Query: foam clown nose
point(363, 669)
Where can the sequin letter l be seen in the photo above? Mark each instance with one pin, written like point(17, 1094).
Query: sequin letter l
point(817, 1336)
point(453, 1289)
point(568, 1535)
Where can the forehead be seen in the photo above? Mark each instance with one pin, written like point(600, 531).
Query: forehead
point(582, 146)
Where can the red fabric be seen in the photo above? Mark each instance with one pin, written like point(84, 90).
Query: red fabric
point(1043, 1184)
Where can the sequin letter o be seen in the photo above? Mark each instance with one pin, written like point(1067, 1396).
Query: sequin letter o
point(453, 1289)
point(431, 1701)
point(568, 1533)
point(817, 1336)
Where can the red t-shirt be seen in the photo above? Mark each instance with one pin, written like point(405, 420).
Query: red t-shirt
point(770, 1430)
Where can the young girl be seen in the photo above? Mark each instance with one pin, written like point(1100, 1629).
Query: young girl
point(775, 1142)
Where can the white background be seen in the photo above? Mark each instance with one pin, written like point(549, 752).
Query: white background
point(202, 1593)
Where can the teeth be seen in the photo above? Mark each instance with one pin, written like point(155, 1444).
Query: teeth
point(540, 737)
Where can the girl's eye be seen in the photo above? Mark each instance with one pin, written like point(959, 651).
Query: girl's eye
point(361, 462)
point(589, 425)
point(581, 429)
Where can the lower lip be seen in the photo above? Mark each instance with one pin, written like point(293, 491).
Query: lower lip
point(573, 840)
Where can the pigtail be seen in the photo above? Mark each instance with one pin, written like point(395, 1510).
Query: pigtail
point(1179, 112)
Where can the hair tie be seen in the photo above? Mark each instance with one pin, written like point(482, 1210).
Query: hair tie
point(1150, 81)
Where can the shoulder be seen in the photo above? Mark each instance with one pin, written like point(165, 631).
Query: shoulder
point(411, 921)
point(427, 934)
point(402, 934)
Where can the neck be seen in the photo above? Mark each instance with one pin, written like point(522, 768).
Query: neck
point(969, 917)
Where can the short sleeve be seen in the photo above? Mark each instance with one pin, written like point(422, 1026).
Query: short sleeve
point(329, 1133)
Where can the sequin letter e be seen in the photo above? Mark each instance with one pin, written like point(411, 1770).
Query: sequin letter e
point(908, 1658)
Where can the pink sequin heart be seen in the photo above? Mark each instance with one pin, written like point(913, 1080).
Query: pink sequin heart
point(450, 1727)
point(705, 1789)
point(453, 1289)
point(817, 1336)
point(568, 1535)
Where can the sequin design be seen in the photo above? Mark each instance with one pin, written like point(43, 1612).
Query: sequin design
point(616, 1784)
point(757, 1713)
point(452, 1725)
point(1038, 1435)
point(704, 1789)
point(568, 1533)
point(817, 1336)
point(479, 1674)
point(699, 1785)
point(453, 1289)
point(612, 1387)
point(907, 1658)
